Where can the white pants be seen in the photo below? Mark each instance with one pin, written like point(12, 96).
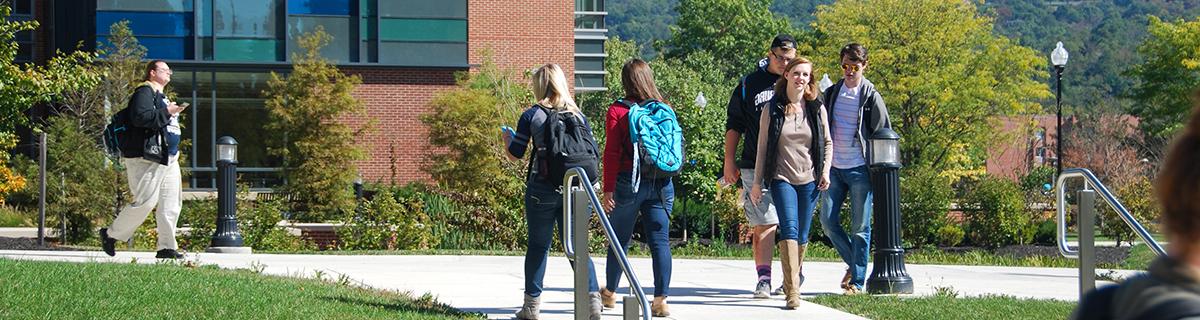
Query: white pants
point(152, 184)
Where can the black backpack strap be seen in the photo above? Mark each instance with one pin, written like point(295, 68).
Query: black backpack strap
point(1180, 308)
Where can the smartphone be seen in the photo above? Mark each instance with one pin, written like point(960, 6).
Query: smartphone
point(508, 129)
point(185, 105)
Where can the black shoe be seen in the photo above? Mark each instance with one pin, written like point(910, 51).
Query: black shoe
point(109, 244)
point(168, 254)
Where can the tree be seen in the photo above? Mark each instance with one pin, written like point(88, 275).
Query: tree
point(945, 76)
point(1167, 76)
point(735, 32)
point(318, 151)
point(22, 86)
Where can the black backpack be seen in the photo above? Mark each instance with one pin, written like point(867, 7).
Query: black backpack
point(116, 132)
point(567, 143)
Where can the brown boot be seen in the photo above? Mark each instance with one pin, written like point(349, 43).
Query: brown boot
point(801, 249)
point(789, 256)
point(658, 308)
point(846, 280)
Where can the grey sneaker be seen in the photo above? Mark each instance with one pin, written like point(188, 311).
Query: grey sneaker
point(595, 306)
point(531, 309)
point(779, 291)
point(763, 289)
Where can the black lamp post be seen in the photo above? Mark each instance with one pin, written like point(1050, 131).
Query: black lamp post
point(1059, 58)
point(227, 238)
point(888, 275)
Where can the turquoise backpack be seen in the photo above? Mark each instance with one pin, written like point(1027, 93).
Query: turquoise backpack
point(657, 140)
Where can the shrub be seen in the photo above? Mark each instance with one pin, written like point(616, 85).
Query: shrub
point(81, 183)
point(996, 214)
point(924, 203)
point(1138, 198)
point(949, 235)
point(318, 151)
point(259, 224)
point(388, 222)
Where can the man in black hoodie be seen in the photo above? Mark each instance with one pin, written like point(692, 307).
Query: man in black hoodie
point(752, 94)
point(150, 156)
point(855, 112)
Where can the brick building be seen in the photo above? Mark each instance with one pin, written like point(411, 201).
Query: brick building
point(406, 51)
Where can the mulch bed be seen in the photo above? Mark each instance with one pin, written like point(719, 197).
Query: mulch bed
point(30, 244)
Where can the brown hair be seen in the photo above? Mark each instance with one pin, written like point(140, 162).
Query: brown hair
point(1178, 184)
point(638, 81)
point(856, 52)
point(153, 65)
point(781, 85)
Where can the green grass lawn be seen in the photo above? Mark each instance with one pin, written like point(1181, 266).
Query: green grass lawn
point(61, 290)
point(946, 306)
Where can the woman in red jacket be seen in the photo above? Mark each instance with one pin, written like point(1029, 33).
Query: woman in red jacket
point(653, 198)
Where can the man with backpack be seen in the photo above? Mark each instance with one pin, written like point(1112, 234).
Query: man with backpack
point(752, 94)
point(856, 111)
point(149, 146)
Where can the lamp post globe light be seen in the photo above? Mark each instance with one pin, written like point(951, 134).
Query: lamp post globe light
point(1059, 58)
point(226, 238)
point(825, 83)
point(888, 275)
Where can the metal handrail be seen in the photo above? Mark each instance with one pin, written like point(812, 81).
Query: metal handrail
point(1093, 182)
point(577, 174)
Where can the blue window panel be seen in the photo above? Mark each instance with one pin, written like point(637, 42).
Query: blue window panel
point(166, 48)
point(423, 54)
point(148, 23)
point(145, 5)
point(206, 18)
point(319, 7)
point(253, 19)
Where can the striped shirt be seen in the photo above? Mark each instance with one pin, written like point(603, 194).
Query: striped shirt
point(847, 150)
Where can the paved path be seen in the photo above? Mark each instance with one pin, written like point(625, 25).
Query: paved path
point(700, 289)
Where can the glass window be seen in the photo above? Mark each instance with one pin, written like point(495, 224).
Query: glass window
point(254, 19)
point(589, 63)
point(589, 21)
point(319, 7)
point(423, 30)
point(423, 53)
point(589, 5)
point(145, 5)
point(166, 48)
point(246, 49)
point(424, 9)
point(589, 80)
point(241, 113)
point(24, 36)
point(25, 53)
point(22, 7)
point(206, 16)
point(337, 50)
point(148, 23)
point(589, 46)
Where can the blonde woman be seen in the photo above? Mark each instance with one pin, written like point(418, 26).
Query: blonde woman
point(543, 202)
point(794, 153)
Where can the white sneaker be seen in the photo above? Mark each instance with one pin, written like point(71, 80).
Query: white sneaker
point(762, 290)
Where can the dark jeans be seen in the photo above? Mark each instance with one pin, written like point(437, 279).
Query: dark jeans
point(794, 204)
point(852, 246)
point(543, 210)
point(653, 200)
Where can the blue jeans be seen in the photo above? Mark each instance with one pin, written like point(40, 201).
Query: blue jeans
point(543, 210)
point(853, 248)
point(654, 200)
point(794, 204)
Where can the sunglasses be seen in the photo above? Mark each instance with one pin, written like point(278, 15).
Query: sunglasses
point(851, 67)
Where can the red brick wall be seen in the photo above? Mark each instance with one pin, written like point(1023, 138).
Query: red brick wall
point(523, 35)
point(520, 35)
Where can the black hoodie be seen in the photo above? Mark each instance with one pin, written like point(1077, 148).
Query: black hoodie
point(751, 96)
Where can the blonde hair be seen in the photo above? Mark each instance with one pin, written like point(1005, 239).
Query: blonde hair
point(550, 89)
point(810, 92)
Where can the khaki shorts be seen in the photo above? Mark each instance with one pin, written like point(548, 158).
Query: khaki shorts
point(764, 212)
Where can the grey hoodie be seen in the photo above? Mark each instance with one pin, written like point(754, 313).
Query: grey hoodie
point(872, 105)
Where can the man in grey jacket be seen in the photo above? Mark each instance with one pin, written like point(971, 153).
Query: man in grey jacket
point(855, 111)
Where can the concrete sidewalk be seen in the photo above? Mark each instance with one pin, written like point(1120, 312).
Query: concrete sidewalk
point(700, 289)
